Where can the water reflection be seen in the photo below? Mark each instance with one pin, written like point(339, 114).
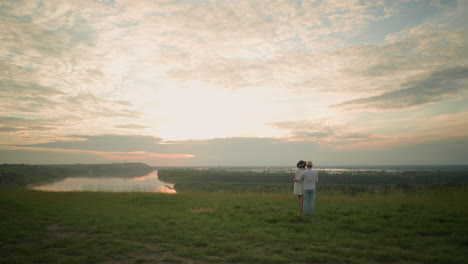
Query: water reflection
point(147, 183)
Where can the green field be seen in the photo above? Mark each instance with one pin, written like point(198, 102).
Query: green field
point(423, 225)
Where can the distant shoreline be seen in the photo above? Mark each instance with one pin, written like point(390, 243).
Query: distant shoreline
point(416, 167)
point(334, 167)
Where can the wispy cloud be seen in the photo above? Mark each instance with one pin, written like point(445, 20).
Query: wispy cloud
point(111, 147)
point(227, 74)
point(109, 155)
point(27, 124)
point(323, 133)
point(429, 89)
point(120, 143)
point(131, 126)
point(262, 151)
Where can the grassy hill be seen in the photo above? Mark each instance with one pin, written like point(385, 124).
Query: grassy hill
point(232, 217)
point(424, 226)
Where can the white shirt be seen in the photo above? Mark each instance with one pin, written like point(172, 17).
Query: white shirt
point(310, 177)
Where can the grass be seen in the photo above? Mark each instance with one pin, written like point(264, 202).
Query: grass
point(424, 226)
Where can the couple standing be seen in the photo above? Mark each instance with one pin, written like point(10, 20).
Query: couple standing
point(304, 186)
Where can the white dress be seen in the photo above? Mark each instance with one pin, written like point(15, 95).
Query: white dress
point(298, 186)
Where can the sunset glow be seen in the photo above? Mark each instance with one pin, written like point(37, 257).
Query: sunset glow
point(188, 83)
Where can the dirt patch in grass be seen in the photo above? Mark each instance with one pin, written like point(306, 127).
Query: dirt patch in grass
point(54, 230)
point(201, 210)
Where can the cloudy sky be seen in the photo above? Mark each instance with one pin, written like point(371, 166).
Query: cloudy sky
point(223, 83)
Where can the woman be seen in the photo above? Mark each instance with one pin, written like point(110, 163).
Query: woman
point(309, 179)
point(298, 185)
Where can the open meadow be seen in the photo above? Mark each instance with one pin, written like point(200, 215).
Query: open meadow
point(173, 131)
point(423, 225)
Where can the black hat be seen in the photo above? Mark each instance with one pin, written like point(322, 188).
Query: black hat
point(301, 164)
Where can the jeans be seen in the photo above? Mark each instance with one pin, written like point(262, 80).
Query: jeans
point(308, 202)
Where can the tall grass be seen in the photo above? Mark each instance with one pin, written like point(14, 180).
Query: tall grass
point(422, 226)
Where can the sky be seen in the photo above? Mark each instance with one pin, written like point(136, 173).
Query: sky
point(234, 83)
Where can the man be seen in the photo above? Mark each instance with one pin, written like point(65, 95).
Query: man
point(310, 177)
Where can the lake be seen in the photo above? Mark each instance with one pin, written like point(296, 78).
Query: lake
point(146, 183)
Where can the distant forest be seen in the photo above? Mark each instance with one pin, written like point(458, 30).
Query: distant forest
point(346, 181)
point(215, 179)
point(21, 175)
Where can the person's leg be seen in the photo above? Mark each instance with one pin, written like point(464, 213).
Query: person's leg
point(301, 204)
point(312, 201)
point(306, 202)
point(301, 200)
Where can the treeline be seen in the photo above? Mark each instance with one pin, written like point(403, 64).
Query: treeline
point(218, 175)
point(403, 177)
point(212, 180)
point(21, 175)
point(348, 182)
